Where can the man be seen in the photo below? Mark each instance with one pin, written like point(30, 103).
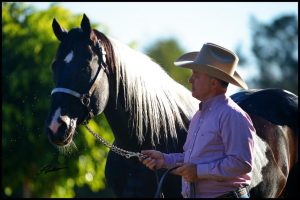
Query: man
point(218, 152)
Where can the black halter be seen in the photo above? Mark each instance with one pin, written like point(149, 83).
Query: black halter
point(85, 98)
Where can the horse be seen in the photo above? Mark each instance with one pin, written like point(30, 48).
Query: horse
point(147, 109)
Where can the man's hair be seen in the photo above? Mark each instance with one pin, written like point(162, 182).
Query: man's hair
point(224, 84)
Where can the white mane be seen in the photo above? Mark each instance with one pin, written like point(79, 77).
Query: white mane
point(152, 96)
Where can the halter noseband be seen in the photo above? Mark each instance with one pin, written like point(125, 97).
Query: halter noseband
point(85, 98)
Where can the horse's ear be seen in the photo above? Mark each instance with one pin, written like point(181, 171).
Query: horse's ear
point(59, 32)
point(86, 26)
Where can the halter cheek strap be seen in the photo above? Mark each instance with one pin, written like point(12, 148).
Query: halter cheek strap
point(85, 98)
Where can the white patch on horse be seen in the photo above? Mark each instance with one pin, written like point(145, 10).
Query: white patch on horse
point(69, 57)
point(54, 125)
point(260, 161)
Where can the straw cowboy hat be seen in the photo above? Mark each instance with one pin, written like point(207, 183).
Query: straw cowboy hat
point(215, 61)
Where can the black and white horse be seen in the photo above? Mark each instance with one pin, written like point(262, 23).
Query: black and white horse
point(146, 109)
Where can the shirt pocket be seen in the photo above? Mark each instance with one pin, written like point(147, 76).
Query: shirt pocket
point(212, 137)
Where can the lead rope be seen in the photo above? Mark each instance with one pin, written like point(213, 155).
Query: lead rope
point(117, 150)
point(158, 193)
point(161, 194)
point(129, 154)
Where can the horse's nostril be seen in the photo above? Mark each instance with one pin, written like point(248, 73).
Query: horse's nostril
point(61, 137)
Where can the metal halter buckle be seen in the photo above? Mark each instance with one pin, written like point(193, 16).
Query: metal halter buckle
point(85, 99)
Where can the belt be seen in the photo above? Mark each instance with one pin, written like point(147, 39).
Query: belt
point(235, 194)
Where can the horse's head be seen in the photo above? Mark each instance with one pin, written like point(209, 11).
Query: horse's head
point(81, 77)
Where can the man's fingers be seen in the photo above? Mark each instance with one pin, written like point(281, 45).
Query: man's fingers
point(150, 163)
point(147, 160)
point(141, 159)
point(153, 160)
point(187, 179)
point(179, 171)
point(147, 152)
point(150, 153)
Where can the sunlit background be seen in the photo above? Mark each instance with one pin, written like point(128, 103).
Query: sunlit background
point(264, 35)
point(191, 24)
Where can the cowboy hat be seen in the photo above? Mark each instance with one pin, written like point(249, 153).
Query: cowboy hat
point(215, 61)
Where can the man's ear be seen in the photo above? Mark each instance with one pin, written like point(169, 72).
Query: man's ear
point(214, 82)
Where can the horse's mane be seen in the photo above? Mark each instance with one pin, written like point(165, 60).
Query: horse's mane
point(153, 98)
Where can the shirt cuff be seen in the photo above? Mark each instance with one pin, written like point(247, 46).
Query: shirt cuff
point(169, 161)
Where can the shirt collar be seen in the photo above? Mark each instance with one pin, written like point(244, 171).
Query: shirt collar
point(212, 102)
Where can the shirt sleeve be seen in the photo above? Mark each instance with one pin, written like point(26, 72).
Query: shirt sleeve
point(237, 132)
point(172, 158)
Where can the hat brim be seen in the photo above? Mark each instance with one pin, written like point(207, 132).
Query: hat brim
point(187, 61)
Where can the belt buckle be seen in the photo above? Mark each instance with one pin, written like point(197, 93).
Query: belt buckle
point(241, 191)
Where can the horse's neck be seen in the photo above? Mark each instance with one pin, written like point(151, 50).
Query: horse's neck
point(121, 124)
point(151, 111)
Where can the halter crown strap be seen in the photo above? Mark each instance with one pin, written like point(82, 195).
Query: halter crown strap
point(90, 92)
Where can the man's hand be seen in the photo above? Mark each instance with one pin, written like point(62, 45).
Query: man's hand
point(154, 160)
point(188, 171)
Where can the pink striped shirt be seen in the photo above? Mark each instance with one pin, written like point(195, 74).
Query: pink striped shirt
point(220, 142)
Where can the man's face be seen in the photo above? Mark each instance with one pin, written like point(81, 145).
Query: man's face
point(201, 85)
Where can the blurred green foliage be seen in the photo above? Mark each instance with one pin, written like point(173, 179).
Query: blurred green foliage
point(31, 166)
point(275, 46)
point(165, 52)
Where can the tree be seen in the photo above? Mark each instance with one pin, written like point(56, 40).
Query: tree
point(275, 47)
point(31, 166)
point(165, 52)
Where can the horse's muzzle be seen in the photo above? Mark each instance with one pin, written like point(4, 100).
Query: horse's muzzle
point(63, 136)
